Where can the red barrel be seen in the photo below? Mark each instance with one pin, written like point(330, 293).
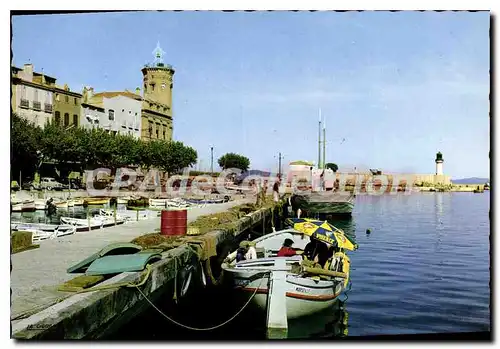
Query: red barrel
point(173, 222)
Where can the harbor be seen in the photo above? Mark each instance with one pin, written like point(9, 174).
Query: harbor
point(299, 175)
point(35, 285)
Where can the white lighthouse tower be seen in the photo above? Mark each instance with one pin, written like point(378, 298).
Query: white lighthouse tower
point(439, 164)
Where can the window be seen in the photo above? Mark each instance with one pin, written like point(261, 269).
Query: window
point(135, 114)
point(76, 101)
point(58, 118)
point(36, 96)
point(66, 119)
point(57, 97)
point(66, 98)
point(75, 119)
point(164, 135)
point(111, 114)
point(123, 110)
point(130, 112)
point(145, 87)
point(152, 87)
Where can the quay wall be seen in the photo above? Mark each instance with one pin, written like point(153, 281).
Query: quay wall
point(96, 314)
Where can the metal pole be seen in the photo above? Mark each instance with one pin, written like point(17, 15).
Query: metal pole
point(319, 140)
point(324, 144)
point(211, 159)
point(279, 165)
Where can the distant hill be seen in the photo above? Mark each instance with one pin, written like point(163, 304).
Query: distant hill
point(471, 180)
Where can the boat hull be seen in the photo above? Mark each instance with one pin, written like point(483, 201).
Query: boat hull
point(95, 223)
point(326, 203)
point(96, 201)
point(307, 291)
point(304, 296)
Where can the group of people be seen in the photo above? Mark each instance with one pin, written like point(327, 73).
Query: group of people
point(260, 190)
point(315, 251)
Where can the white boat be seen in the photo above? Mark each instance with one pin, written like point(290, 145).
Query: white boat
point(23, 206)
point(96, 222)
point(129, 216)
point(44, 231)
point(29, 206)
point(123, 200)
point(158, 202)
point(307, 290)
point(17, 206)
point(61, 204)
point(40, 204)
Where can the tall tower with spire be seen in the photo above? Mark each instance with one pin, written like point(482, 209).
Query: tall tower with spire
point(157, 97)
point(158, 79)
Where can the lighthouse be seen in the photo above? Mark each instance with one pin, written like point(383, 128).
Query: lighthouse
point(439, 164)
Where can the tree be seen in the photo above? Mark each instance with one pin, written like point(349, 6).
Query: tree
point(232, 160)
point(332, 166)
point(25, 149)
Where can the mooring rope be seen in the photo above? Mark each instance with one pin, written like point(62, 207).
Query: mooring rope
point(206, 328)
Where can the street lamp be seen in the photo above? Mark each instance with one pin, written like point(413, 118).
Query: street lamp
point(280, 157)
point(211, 160)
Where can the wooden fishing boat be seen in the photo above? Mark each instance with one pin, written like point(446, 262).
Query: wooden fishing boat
point(16, 206)
point(23, 206)
point(40, 204)
point(61, 204)
point(158, 202)
point(44, 231)
point(123, 200)
point(96, 201)
point(78, 201)
point(129, 215)
point(325, 202)
point(307, 289)
point(96, 222)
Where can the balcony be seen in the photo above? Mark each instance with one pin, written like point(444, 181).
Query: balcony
point(24, 103)
point(37, 105)
point(48, 108)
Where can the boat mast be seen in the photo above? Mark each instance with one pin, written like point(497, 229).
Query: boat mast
point(319, 140)
point(324, 144)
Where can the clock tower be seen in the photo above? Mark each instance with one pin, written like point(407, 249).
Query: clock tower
point(157, 122)
point(158, 79)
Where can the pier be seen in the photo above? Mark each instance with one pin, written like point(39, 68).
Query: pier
point(40, 311)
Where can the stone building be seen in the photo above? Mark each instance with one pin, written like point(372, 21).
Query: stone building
point(91, 115)
point(67, 106)
point(118, 112)
point(157, 99)
point(32, 95)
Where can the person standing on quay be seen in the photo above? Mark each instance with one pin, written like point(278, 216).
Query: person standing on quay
point(276, 191)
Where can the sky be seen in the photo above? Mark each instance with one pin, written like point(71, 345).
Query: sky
point(394, 88)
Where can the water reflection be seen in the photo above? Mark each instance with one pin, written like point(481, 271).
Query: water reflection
point(332, 322)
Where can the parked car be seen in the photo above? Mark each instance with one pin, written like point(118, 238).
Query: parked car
point(50, 183)
point(30, 185)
